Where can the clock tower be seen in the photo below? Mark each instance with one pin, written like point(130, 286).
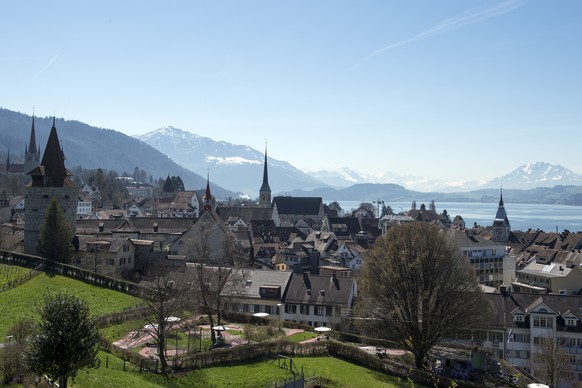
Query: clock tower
point(265, 191)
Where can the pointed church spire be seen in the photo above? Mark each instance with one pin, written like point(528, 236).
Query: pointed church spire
point(265, 191)
point(207, 198)
point(32, 141)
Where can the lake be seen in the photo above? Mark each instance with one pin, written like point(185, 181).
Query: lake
point(522, 216)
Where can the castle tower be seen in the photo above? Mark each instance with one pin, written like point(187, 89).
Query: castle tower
point(265, 191)
point(49, 180)
point(208, 200)
point(501, 226)
point(31, 152)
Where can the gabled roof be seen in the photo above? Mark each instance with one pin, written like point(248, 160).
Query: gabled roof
point(249, 284)
point(307, 289)
point(126, 226)
point(298, 205)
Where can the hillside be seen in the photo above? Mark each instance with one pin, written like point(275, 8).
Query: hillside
point(91, 148)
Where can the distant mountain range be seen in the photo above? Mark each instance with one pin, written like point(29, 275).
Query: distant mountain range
point(528, 176)
point(238, 167)
point(237, 170)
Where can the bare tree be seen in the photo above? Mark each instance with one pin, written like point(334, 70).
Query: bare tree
point(216, 264)
point(549, 364)
point(168, 295)
point(417, 289)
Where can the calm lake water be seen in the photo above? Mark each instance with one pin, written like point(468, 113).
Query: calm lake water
point(521, 216)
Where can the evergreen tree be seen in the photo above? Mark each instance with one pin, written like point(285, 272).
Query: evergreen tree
point(178, 184)
point(55, 242)
point(66, 340)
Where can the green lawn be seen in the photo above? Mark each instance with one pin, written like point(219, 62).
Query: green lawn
point(302, 336)
point(21, 302)
point(9, 273)
point(334, 373)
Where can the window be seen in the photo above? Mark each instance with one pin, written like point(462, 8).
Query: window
point(320, 310)
point(291, 308)
point(543, 322)
point(518, 318)
point(126, 248)
point(570, 322)
point(304, 309)
point(539, 340)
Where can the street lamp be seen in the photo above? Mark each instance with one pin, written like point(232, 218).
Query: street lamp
point(279, 306)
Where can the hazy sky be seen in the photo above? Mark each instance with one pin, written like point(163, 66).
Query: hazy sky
point(442, 89)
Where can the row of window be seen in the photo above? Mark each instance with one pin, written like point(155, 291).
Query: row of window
point(122, 261)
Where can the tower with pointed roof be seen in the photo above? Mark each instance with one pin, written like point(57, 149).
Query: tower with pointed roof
point(50, 180)
point(265, 191)
point(501, 227)
point(31, 152)
point(208, 200)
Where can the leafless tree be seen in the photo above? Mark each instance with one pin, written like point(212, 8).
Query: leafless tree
point(417, 289)
point(168, 295)
point(216, 263)
point(549, 364)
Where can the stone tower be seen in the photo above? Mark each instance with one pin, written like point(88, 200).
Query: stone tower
point(265, 191)
point(49, 180)
point(31, 152)
point(501, 226)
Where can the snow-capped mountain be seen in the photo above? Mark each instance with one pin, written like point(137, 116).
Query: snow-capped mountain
point(528, 176)
point(539, 174)
point(237, 167)
point(345, 177)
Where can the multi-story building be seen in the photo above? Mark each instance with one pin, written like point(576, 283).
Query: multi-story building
point(486, 256)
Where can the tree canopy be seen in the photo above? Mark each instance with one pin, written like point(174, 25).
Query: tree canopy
point(418, 289)
point(55, 242)
point(66, 339)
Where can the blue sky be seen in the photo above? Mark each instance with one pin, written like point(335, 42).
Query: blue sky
point(442, 89)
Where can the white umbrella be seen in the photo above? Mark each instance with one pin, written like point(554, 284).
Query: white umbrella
point(172, 319)
point(322, 329)
point(260, 315)
point(151, 327)
point(220, 328)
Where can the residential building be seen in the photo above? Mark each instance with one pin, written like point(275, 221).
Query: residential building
point(318, 300)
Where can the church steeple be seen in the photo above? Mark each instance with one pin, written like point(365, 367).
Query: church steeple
point(501, 227)
point(265, 191)
point(208, 199)
point(31, 152)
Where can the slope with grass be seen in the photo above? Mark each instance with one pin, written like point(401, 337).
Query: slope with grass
point(21, 302)
point(334, 373)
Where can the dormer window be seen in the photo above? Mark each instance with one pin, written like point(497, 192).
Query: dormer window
point(570, 321)
point(518, 318)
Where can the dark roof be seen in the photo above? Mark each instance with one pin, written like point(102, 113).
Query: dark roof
point(336, 290)
point(143, 224)
point(298, 205)
point(247, 213)
point(53, 162)
point(351, 225)
point(521, 301)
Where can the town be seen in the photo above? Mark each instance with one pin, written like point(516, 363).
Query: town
point(296, 261)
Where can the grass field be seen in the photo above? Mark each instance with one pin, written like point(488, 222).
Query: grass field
point(333, 372)
point(21, 302)
point(9, 273)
